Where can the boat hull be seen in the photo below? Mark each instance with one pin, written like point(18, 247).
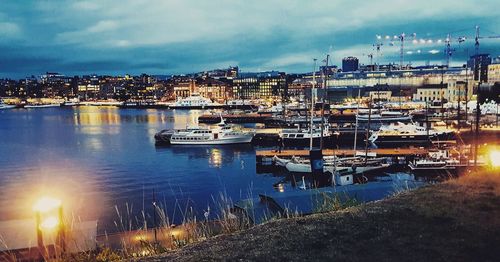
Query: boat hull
point(42, 106)
point(196, 107)
point(422, 140)
point(221, 141)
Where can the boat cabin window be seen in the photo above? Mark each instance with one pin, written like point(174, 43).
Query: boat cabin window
point(300, 135)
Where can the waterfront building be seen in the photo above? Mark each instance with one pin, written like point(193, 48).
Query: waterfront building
point(213, 89)
point(89, 87)
point(415, 77)
point(431, 93)
point(183, 87)
point(350, 64)
point(260, 85)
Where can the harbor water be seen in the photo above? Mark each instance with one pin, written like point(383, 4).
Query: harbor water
point(103, 163)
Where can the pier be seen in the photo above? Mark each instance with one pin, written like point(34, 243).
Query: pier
point(386, 152)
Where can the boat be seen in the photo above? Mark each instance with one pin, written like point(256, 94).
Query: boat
point(220, 134)
point(5, 106)
point(277, 108)
point(71, 102)
point(303, 137)
point(41, 105)
point(141, 104)
point(440, 160)
point(357, 164)
point(163, 137)
point(240, 104)
point(102, 103)
point(385, 116)
point(195, 101)
point(408, 133)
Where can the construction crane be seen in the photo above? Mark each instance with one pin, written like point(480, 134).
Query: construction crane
point(377, 47)
point(477, 37)
point(401, 38)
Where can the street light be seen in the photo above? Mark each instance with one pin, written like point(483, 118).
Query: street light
point(49, 218)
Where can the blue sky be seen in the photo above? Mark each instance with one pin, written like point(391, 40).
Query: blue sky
point(170, 37)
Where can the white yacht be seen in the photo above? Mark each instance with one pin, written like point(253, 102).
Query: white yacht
point(385, 116)
point(194, 101)
point(277, 108)
point(408, 133)
point(221, 134)
point(302, 137)
point(5, 106)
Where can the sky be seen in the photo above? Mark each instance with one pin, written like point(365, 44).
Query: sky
point(175, 37)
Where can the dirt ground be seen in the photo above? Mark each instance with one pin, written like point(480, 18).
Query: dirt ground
point(458, 220)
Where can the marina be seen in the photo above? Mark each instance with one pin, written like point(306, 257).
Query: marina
point(249, 131)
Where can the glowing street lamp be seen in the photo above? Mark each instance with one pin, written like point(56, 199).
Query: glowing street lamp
point(49, 218)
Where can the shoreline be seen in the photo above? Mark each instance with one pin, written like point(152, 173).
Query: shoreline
point(458, 220)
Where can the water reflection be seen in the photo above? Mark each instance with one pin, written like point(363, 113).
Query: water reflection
point(215, 159)
point(106, 156)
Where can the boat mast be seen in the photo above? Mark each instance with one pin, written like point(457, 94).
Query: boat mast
point(312, 106)
point(368, 129)
point(356, 126)
point(427, 119)
point(323, 103)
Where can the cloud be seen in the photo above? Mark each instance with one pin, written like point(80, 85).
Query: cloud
point(262, 34)
point(9, 30)
point(86, 5)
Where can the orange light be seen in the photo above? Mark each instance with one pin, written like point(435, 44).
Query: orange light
point(46, 204)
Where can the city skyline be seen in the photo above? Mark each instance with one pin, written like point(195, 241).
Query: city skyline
point(177, 37)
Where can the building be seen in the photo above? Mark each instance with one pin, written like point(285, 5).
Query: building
point(183, 87)
point(350, 64)
point(400, 78)
point(479, 65)
point(494, 73)
point(431, 93)
point(377, 96)
point(214, 89)
point(260, 85)
point(457, 90)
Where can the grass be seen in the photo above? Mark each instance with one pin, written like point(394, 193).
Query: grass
point(458, 220)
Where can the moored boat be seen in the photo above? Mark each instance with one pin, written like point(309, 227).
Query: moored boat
point(221, 134)
point(195, 101)
point(5, 106)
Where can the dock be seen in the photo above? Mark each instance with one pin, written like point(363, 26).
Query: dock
point(383, 152)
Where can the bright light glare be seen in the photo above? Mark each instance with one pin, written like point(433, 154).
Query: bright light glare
point(495, 158)
point(45, 204)
point(49, 223)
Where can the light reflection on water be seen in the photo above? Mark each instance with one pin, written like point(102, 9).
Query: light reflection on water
point(99, 157)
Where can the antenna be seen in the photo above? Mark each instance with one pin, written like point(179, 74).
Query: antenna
point(477, 40)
